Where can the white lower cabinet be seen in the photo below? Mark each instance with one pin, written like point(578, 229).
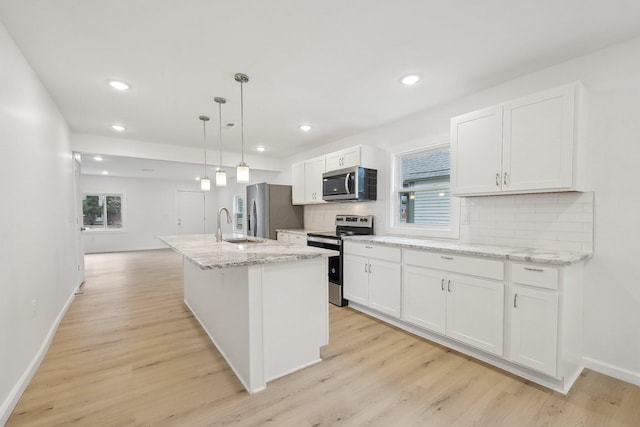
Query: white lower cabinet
point(424, 298)
point(459, 301)
point(534, 328)
point(371, 277)
point(467, 309)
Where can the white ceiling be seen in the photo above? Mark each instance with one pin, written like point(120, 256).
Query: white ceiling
point(335, 64)
point(121, 166)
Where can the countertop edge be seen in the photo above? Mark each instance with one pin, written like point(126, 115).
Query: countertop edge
point(522, 254)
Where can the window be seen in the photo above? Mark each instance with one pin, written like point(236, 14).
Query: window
point(102, 211)
point(422, 202)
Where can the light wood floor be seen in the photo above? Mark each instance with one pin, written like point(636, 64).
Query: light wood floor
point(129, 353)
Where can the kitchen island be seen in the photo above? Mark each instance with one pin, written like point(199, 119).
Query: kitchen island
point(263, 303)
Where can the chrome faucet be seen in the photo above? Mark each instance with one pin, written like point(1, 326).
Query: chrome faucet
point(218, 230)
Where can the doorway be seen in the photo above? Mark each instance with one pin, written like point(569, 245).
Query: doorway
point(190, 212)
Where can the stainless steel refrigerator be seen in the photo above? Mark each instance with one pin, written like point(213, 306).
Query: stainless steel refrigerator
point(269, 208)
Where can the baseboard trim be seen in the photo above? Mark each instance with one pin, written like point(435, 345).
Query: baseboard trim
point(612, 371)
point(16, 393)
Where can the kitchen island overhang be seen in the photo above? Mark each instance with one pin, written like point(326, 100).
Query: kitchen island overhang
point(264, 305)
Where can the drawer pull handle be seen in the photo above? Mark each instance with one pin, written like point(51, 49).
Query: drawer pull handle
point(537, 270)
point(447, 257)
point(515, 301)
point(442, 285)
point(369, 247)
point(449, 285)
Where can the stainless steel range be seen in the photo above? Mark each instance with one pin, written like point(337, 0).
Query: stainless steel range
point(346, 225)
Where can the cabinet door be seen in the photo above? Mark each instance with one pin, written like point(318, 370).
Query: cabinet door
point(313, 170)
point(343, 159)
point(475, 312)
point(534, 328)
point(476, 152)
point(539, 141)
point(384, 286)
point(355, 277)
point(424, 298)
point(297, 183)
point(282, 236)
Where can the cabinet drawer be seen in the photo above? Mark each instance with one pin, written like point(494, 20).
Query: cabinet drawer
point(298, 239)
point(455, 263)
point(534, 275)
point(372, 251)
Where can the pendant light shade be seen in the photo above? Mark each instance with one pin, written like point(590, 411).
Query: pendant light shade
point(242, 173)
point(242, 170)
point(221, 179)
point(221, 176)
point(205, 183)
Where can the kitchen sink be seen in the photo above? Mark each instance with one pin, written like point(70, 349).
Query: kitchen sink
point(243, 241)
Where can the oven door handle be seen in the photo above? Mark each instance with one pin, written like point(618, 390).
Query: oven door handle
point(331, 242)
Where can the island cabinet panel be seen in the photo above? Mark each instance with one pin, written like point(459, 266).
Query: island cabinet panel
point(267, 320)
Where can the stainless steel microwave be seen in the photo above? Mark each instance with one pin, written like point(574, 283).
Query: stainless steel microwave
point(350, 185)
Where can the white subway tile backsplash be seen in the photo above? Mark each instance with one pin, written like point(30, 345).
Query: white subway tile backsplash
point(562, 221)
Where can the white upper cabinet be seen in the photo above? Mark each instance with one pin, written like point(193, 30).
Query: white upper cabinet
point(313, 170)
point(306, 181)
point(306, 176)
point(538, 141)
point(298, 182)
point(476, 151)
point(344, 158)
point(523, 146)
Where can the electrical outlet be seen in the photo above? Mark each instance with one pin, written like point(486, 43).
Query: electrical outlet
point(466, 217)
point(34, 308)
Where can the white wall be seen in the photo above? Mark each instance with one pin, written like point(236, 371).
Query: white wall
point(612, 290)
point(37, 244)
point(150, 209)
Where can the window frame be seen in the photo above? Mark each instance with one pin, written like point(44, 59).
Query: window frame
point(450, 231)
point(105, 229)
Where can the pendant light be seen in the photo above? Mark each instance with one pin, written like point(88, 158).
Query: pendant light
point(221, 176)
point(205, 183)
point(242, 170)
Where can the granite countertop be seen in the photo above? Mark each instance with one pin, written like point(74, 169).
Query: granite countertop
point(299, 230)
point(542, 256)
point(205, 252)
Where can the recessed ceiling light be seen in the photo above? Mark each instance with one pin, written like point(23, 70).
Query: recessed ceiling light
point(97, 158)
point(197, 178)
point(118, 85)
point(118, 128)
point(260, 149)
point(305, 128)
point(409, 80)
point(105, 172)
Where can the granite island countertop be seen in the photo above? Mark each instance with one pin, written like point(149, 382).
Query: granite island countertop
point(206, 253)
point(541, 256)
